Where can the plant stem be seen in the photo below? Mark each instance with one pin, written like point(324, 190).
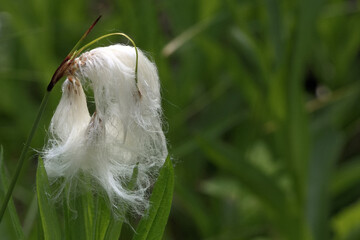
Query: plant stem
point(22, 156)
point(109, 35)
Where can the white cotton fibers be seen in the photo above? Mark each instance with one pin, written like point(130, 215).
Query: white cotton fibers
point(124, 131)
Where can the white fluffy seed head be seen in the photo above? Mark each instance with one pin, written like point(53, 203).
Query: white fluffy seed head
point(63, 155)
point(125, 130)
point(72, 113)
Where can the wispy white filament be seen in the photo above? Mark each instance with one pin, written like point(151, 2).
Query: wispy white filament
point(125, 130)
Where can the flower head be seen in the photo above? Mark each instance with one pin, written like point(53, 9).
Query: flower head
point(124, 131)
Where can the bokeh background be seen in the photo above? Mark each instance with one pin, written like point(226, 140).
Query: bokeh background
point(261, 103)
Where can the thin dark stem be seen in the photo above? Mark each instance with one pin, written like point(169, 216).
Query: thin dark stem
point(22, 156)
point(60, 71)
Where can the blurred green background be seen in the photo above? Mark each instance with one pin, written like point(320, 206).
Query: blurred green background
point(261, 100)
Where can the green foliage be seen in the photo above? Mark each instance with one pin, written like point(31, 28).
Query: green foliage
point(261, 103)
point(49, 220)
point(261, 185)
point(153, 225)
point(91, 217)
point(11, 211)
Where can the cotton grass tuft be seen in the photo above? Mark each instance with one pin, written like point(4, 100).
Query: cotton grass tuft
point(124, 131)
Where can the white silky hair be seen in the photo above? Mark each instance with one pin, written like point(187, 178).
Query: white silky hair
point(125, 131)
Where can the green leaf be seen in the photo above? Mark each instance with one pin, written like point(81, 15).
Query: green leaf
point(190, 33)
point(297, 129)
point(275, 28)
point(326, 150)
point(50, 224)
point(346, 222)
point(153, 225)
point(78, 216)
point(189, 201)
point(31, 217)
point(265, 188)
point(87, 203)
point(212, 131)
point(261, 185)
point(11, 207)
point(101, 217)
point(79, 211)
point(346, 177)
point(114, 229)
point(252, 55)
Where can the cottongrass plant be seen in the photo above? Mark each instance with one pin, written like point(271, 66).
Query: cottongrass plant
point(124, 131)
point(119, 148)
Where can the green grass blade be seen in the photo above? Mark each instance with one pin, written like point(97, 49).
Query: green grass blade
point(297, 130)
point(153, 225)
point(326, 150)
point(346, 223)
point(11, 207)
point(252, 57)
point(87, 202)
point(213, 131)
point(114, 229)
point(275, 28)
point(66, 214)
point(40, 229)
point(346, 177)
point(189, 34)
point(76, 218)
point(261, 185)
point(79, 212)
point(47, 210)
point(190, 201)
point(23, 155)
point(101, 217)
point(31, 217)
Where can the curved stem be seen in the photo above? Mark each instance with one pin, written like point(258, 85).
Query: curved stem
point(76, 53)
point(23, 155)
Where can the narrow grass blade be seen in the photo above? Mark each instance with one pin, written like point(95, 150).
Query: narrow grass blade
point(189, 34)
point(11, 208)
point(153, 225)
point(346, 223)
point(31, 217)
point(326, 150)
point(40, 229)
point(114, 229)
point(252, 57)
point(213, 131)
point(79, 211)
point(67, 217)
point(346, 177)
point(23, 155)
point(101, 218)
point(189, 201)
point(75, 217)
point(87, 202)
point(275, 28)
point(50, 224)
point(262, 186)
point(297, 129)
